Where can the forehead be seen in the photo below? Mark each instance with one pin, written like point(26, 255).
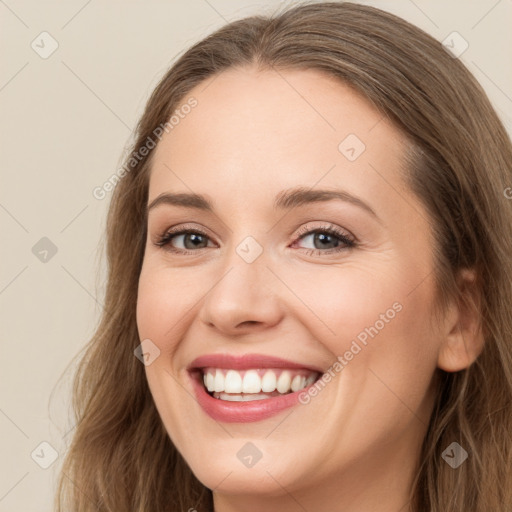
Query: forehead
point(262, 131)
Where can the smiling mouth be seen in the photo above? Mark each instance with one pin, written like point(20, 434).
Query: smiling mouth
point(254, 384)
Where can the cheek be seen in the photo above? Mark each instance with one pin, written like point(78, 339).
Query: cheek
point(341, 302)
point(375, 317)
point(162, 302)
point(377, 327)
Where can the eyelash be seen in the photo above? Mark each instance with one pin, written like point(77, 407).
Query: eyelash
point(163, 241)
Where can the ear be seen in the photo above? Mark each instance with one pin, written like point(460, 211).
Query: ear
point(463, 338)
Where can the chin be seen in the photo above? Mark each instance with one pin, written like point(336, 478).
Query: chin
point(229, 475)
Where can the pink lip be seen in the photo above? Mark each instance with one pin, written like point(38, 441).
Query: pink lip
point(245, 362)
point(242, 412)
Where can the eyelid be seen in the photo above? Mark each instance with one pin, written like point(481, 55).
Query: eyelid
point(325, 227)
point(180, 228)
point(346, 238)
point(162, 240)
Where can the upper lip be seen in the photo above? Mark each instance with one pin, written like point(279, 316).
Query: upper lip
point(246, 362)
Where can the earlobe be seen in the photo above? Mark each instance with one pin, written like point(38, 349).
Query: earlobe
point(463, 339)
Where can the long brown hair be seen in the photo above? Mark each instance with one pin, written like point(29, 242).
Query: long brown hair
point(460, 161)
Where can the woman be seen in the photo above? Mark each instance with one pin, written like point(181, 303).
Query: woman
point(309, 257)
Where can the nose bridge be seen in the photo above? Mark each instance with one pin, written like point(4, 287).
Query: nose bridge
point(245, 290)
point(246, 275)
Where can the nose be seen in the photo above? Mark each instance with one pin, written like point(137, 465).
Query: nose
point(243, 299)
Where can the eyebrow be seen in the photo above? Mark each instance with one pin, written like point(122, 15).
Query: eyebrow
point(285, 200)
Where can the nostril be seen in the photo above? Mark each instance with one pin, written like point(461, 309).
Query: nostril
point(248, 322)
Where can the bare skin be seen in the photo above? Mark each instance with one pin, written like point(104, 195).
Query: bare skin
point(354, 447)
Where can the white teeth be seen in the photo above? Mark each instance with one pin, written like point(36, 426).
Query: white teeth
point(284, 381)
point(243, 398)
point(255, 383)
point(210, 382)
point(297, 383)
point(309, 380)
point(218, 384)
point(251, 382)
point(232, 382)
point(269, 382)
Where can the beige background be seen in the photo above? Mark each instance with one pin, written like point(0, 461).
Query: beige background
point(64, 123)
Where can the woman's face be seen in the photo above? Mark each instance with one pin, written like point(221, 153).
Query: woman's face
point(337, 284)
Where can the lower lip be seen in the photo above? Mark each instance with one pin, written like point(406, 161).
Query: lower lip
point(242, 412)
